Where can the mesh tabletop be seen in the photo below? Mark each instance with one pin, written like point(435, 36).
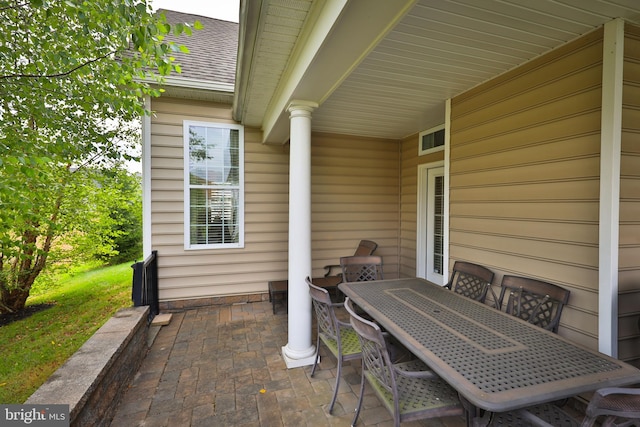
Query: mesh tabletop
point(496, 361)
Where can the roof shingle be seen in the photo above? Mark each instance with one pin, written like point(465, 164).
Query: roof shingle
point(213, 50)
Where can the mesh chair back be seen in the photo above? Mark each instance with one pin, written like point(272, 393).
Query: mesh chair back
point(361, 268)
point(407, 393)
point(365, 247)
point(338, 336)
point(535, 301)
point(471, 280)
point(375, 356)
point(325, 316)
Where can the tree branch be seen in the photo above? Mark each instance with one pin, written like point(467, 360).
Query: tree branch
point(15, 6)
point(57, 75)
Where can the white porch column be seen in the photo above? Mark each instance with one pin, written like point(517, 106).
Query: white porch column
point(299, 351)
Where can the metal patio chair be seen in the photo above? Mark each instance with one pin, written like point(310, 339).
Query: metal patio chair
point(535, 301)
point(331, 281)
point(408, 394)
point(471, 280)
point(361, 268)
point(545, 415)
point(365, 248)
point(620, 407)
point(338, 336)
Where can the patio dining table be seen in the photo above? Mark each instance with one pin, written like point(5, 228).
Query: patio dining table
point(495, 361)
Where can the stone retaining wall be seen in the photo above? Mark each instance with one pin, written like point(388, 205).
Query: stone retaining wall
point(93, 379)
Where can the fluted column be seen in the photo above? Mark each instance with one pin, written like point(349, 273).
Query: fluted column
point(299, 351)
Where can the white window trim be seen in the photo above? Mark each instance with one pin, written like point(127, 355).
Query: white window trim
point(187, 204)
point(434, 129)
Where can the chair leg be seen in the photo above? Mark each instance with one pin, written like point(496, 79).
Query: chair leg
point(355, 417)
point(315, 359)
point(335, 393)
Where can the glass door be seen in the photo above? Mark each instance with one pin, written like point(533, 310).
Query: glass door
point(431, 229)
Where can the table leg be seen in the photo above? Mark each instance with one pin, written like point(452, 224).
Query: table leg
point(473, 414)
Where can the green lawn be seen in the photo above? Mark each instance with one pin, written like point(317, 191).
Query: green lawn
point(32, 349)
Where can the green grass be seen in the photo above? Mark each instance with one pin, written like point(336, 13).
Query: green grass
point(32, 349)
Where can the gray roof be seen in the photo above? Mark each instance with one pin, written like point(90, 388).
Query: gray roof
point(212, 51)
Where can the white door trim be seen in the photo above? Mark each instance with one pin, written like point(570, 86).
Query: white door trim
point(424, 212)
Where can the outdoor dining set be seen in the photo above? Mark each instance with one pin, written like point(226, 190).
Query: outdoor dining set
point(494, 357)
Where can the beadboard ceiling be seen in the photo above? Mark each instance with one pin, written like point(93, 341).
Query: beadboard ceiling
point(384, 69)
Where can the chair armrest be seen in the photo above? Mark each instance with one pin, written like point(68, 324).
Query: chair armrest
point(616, 390)
point(328, 269)
point(533, 419)
point(345, 324)
point(406, 369)
point(605, 402)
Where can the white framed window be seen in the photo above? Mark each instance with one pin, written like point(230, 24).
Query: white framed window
point(431, 140)
point(214, 185)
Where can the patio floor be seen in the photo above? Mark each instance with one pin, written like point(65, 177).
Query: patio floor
point(222, 366)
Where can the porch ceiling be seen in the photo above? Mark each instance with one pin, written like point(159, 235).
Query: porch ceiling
point(384, 69)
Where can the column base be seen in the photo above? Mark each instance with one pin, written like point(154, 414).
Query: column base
point(296, 359)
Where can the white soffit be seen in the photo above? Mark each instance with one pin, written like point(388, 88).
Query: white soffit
point(444, 48)
point(436, 50)
point(275, 26)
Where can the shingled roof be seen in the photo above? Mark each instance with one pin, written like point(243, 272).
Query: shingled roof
point(213, 50)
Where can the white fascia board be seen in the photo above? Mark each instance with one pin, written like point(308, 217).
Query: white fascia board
point(249, 18)
point(341, 34)
point(307, 47)
point(189, 83)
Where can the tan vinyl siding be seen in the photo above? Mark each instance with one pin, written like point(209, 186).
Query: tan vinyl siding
point(354, 196)
point(206, 273)
point(524, 176)
point(629, 273)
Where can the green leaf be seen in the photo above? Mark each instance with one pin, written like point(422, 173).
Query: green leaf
point(76, 111)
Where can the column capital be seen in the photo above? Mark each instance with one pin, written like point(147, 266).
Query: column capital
point(299, 107)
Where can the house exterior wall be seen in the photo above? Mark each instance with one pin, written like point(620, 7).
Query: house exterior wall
point(201, 274)
point(355, 188)
point(524, 177)
point(629, 272)
point(354, 196)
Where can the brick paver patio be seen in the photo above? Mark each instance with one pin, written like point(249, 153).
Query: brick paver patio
point(222, 366)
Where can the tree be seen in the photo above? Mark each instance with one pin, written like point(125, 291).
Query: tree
point(73, 76)
point(126, 211)
point(107, 221)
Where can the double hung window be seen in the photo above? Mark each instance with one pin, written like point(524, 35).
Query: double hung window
point(214, 185)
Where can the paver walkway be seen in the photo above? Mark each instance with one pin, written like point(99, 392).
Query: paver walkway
point(222, 366)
